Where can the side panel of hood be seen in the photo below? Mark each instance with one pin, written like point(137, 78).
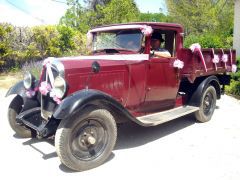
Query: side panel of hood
point(112, 79)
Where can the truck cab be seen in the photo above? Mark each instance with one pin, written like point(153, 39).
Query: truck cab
point(80, 100)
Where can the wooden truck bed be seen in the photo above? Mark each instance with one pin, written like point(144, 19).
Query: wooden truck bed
point(194, 65)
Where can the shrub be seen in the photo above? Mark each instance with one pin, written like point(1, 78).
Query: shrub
point(234, 88)
point(208, 41)
point(19, 45)
point(34, 67)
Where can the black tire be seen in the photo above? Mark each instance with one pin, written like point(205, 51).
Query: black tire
point(86, 140)
point(207, 106)
point(14, 109)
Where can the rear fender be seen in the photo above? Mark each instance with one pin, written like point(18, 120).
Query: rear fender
point(195, 99)
point(81, 99)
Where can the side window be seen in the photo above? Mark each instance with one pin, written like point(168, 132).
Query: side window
point(170, 42)
point(167, 39)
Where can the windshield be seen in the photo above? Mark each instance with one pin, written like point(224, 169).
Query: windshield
point(118, 40)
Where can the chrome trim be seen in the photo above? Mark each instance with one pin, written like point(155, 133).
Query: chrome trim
point(27, 76)
point(58, 65)
point(64, 86)
point(45, 114)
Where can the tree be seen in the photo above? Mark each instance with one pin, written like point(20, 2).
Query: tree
point(102, 12)
point(74, 14)
point(153, 17)
point(92, 4)
point(200, 16)
point(118, 11)
point(5, 41)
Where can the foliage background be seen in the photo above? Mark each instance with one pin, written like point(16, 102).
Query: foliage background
point(208, 22)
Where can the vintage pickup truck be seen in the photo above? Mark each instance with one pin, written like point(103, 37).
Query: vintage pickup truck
point(80, 100)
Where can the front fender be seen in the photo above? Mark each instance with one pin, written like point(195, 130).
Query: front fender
point(18, 88)
point(80, 99)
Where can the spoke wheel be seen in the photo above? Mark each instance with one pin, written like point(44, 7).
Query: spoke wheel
point(207, 106)
point(86, 141)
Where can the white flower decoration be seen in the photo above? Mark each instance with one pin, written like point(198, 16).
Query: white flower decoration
point(215, 59)
point(195, 46)
point(147, 30)
point(178, 64)
point(225, 58)
point(234, 68)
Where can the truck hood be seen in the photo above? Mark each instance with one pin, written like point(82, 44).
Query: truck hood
point(112, 77)
point(73, 64)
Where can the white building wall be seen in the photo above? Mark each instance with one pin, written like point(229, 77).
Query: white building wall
point(236, 35)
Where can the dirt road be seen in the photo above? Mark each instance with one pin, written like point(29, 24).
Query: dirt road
point(181, 149)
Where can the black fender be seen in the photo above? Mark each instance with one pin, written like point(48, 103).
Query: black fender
point(18, 88)
point(195, 99)
point(83, 98)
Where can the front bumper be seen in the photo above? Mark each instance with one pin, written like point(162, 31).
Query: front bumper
point(32, 118)
point(37, 114)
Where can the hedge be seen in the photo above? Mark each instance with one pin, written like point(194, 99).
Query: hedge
point(19, 45)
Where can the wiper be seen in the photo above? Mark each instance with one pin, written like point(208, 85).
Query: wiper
point(123, 49)
point(110, 50)
point(114, 50)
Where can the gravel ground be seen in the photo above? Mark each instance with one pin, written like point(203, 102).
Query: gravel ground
point(180, 149)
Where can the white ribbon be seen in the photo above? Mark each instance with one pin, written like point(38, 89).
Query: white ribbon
point(224, 58)
point(196, 48)
point(44, 86)
point(215, 59)
point(47, 64)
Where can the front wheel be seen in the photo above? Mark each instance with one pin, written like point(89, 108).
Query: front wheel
point(86, 140)
point(207, 106)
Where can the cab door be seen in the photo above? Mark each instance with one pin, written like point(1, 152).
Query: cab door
point(162, 84)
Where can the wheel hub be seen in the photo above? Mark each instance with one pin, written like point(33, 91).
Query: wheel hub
point(91, 140)
point(87, 139)
point(207, 103)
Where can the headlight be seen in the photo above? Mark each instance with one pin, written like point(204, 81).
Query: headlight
point(28, 80)
point(59, 86)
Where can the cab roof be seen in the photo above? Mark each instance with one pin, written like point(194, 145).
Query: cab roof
point(176, 26)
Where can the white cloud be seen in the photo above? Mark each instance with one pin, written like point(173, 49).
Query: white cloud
point(39, 13)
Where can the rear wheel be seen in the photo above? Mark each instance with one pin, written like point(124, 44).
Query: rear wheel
point(86, 141)
point(208, 104)
point(14, 109)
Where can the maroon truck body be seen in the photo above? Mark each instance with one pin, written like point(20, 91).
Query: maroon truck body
point(79, 100)
point(144, 86)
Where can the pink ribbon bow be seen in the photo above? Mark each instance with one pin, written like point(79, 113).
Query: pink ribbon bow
point(44, 88)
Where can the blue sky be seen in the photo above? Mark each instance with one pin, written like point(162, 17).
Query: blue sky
point(38, 12)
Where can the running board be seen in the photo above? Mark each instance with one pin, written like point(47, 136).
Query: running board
point(165, 116)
